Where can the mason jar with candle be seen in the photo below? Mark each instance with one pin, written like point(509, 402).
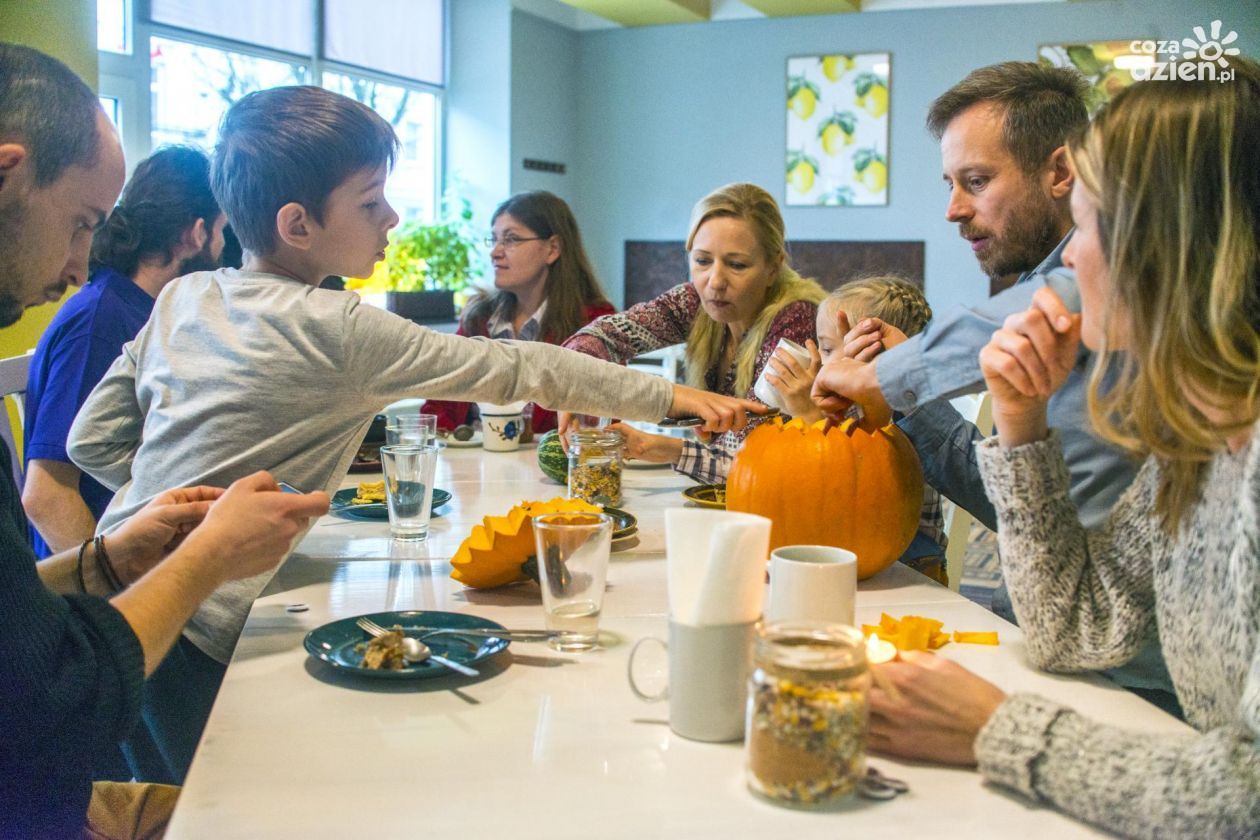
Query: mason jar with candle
point(595, 465)
point(805, 739)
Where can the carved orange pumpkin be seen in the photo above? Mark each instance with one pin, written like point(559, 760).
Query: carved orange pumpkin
point(852, 488)
point(496, 551)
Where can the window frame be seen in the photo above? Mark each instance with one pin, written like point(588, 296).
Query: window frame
point(128, 78)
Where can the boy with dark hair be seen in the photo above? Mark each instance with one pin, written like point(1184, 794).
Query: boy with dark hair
point(259, 368)
point(166, 224)
point(72, 664)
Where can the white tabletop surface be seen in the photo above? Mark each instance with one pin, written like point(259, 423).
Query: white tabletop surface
point(545, 745)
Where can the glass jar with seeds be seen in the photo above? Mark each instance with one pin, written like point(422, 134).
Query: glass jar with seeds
point(807, 713)
point(595, 465)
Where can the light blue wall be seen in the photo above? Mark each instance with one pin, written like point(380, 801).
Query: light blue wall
point(478, 102)
point(665, 114)
point(545, 84)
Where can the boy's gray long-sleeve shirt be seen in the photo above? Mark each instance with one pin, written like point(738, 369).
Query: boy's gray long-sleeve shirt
point(237, 372)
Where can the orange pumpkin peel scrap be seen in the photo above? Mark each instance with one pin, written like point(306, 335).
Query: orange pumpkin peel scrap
point(915, 632)
point(494, 553)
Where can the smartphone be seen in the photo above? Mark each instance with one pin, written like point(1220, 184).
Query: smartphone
point(288, 488)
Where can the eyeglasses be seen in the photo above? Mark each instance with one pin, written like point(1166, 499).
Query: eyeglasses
point(510, 241)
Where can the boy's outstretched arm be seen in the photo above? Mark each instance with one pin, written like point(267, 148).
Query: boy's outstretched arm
point(720, 413)
point(106, 433)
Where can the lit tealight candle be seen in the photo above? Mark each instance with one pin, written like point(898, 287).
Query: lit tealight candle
point(879, 651)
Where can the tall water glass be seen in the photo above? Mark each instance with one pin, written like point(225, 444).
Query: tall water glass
point(572, 569)
point(411, 430)
point(409, 489)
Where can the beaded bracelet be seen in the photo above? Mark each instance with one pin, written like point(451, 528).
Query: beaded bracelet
point(106, 568)
point(78, 568)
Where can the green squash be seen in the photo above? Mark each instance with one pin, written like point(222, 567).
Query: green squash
point(552, 457)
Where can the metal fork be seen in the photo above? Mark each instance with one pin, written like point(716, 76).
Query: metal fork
point(370, 627)
point(490, 633)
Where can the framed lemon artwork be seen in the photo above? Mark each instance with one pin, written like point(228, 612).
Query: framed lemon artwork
point(837, 129)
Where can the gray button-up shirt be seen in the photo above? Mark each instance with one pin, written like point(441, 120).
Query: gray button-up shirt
point(919, 376)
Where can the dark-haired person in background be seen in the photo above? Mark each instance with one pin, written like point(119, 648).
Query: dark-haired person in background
point(167, 224)
point(545, 288)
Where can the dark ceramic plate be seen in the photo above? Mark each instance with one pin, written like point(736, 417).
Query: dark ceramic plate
point(377, 510)
point(708, 495)
point(624, 522)
point(336, 641)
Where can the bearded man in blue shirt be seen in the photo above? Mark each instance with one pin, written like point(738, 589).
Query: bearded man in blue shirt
point(166, 225)
point(1002, 131)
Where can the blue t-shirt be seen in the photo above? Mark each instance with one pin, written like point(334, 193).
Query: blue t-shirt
point(76, 350)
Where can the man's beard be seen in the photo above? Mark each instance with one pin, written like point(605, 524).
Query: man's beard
point(1032, 233)
point(11, 230)
point(203, 260)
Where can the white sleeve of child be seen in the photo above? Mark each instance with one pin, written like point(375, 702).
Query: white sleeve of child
point(106, 432)
point(392, 358)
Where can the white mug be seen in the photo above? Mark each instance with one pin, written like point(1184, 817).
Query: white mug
point(766, 392)
point(812, 583)
point(708, 678)
point(501, 426)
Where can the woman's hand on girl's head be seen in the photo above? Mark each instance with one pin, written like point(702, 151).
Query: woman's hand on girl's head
point(1026, 361)
point(939, 709)
point(655, 449)
point(720, 414)
point(794, 381)
point(870, 338)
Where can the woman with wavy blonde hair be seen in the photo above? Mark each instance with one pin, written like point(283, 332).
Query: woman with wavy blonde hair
point(1167, 210)
point(743, 297)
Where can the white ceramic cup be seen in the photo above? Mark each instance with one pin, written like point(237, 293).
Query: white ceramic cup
point(766, 392)
point(501, 426)
point(708, 679)
point(812, 583)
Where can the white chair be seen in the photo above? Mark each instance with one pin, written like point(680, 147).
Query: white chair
point(666, 362)
point(13, 375)
point(978, 409)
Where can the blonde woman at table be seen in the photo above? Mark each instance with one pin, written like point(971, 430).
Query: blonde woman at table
point(1167, 209)
point(743, 297)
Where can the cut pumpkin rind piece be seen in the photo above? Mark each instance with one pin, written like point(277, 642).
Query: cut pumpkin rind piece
point(495, 551)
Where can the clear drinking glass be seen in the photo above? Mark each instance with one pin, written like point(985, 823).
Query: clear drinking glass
point(572, 569)
point(411, 430)
point(409, 488)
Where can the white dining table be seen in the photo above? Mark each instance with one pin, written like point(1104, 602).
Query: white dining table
point(545, 744)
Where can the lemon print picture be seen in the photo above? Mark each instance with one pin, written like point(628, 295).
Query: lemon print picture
point(837, 130)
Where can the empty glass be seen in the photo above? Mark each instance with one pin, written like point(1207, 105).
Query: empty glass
point(409, 488)
point(411, 430)
point(572, 569)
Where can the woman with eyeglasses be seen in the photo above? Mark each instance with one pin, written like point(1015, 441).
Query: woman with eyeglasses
point(544, 288)
point(743, 297)
point(1167, 210)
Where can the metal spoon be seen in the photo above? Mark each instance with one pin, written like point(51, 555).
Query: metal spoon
point(416, 651)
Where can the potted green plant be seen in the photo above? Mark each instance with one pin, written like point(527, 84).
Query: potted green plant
point(425, 266)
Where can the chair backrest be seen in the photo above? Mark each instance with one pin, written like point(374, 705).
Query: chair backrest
point(14, 373)
point(977, 409)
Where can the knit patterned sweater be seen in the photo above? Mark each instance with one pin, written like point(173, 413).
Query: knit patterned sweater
point(666, 321)
point(1088, 600)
